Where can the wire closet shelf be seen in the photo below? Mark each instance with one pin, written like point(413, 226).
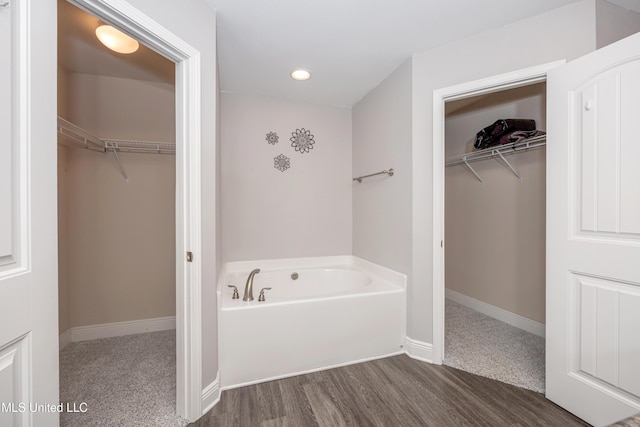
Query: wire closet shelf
point(499, 151)
point(74, 136)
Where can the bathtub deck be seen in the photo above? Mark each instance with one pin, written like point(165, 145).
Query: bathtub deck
point(392, 391)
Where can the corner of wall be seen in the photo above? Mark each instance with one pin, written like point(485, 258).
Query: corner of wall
point(211, 394)
point(418, 350)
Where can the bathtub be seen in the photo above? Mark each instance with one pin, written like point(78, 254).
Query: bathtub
point(338, 311)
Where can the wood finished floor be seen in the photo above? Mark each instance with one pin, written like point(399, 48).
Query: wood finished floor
point(396, 391)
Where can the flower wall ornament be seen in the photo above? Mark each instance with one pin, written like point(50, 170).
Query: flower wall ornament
point(281, 162)
point(272, 138)
point(302, 140)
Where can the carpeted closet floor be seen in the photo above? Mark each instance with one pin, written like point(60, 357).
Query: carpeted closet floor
point(485, 346)
point(124, 381)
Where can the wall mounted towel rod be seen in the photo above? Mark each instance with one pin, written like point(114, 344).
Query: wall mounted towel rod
point(388, 172)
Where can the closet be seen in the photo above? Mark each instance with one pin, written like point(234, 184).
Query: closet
point(495, 230)
point(116, 198)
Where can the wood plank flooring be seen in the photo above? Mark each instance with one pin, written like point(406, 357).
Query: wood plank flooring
point(395, 391)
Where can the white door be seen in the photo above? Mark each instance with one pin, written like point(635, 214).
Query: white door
point(28, 292)
point(593, 234)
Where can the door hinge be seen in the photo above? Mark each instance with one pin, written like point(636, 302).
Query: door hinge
point(189, 256)
point(442, 243)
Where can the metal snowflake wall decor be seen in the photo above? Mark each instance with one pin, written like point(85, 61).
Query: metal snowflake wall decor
point(272, 138)
point(302, 140)
point(281, 162)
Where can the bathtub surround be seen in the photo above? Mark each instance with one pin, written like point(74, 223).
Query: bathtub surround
point(306, 322)
point(272, 208)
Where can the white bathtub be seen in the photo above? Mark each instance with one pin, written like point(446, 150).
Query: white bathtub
point(340, 310)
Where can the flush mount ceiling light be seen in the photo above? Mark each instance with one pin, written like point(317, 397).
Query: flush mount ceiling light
point(116, 40)
point(300, 74)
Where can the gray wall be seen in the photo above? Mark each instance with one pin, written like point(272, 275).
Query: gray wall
point(117, 239)
point(564, 33)
point(495, 232)
point(614, 23)
point(302, 212)
point(382, 140)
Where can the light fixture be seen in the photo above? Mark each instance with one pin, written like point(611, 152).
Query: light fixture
point(116, 40)
point(300, 74)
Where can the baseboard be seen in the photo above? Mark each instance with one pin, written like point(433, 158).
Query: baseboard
point(418, 350)
point(211, 395)
point(65, 339)
point(117, 329)
point(498, 313)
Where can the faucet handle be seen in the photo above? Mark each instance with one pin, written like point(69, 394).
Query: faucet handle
point(236, 295)
point(261, 296)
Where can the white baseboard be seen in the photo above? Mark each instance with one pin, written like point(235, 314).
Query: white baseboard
point(117, 329)
point(211, 395)
point(65, 338)
point(498, 313)
point(418, 350)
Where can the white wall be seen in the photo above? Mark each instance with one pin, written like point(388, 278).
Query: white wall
point(564, 33)
point(382, 205)
point(495, 232)
point(302, 212)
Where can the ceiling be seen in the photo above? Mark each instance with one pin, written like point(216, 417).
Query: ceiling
point(349, 46)
point(79, 51)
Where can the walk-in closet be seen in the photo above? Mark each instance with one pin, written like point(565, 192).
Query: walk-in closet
point(495, 234)
point(116, 222)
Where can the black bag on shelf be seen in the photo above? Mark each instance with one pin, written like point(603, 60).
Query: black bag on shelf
point(490, 135)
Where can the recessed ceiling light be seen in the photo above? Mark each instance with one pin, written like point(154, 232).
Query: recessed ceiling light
point(116, 40)
point(300, 74)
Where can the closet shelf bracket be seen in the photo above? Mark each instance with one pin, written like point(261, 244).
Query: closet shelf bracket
point(473, 171)
point(509, 165)
point(124, 174)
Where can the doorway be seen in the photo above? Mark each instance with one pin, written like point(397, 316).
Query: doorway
point(494, 84)
point(188, 194)
point(495, 233)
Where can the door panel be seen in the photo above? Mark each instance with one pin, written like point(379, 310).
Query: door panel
point(15, 273)
point(593, 234)
point(14, 385)
point(607, 146)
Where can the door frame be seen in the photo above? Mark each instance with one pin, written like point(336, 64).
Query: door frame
point(512, 80)
point(132, 21)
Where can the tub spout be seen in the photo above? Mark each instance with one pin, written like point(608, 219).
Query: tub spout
point(248, 289)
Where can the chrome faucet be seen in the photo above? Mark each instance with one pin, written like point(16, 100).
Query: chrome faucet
point(248, 289)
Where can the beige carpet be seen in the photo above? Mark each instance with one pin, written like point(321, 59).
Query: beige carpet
point(124, 381)
point(488, 347)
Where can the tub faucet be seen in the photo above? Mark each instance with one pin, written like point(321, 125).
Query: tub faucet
point(248, 289)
